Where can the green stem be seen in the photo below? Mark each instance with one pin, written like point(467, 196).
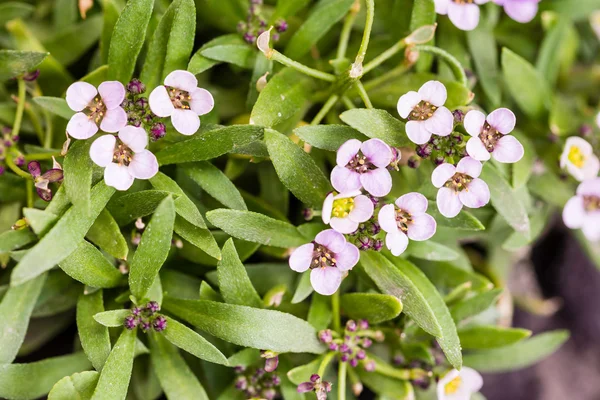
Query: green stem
point(42, 156)
point(29, 187)
point(348, 103)
point(342, 368)
point(364, 44)
point(346, 30)
point(391, 74)
point(20, 107)
point(455, 66)
point(326, 360)
point(277, 56)
point(13, 167)
point(325, 109)
point(35, 121)
point(363, 94)
point(386, 55)
point(335, 309)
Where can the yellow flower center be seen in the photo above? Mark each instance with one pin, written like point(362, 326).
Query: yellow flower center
point(576, 156)
point(453, 386)
point(342, 207)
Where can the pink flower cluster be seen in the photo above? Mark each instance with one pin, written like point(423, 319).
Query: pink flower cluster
point(464, 14)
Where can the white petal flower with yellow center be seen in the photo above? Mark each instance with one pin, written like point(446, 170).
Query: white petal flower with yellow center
point(459, 385)
point(579, 159)
point(345, 211)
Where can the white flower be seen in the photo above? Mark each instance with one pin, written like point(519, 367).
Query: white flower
point(124, 158)
point(426, 113)
point(579, 159)
point(490, 136)
point(464, 14)
point(182, 100)
point(345, 211)
point(582, 211)
point(459, 385)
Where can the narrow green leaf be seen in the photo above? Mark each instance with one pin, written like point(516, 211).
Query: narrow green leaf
point(12, 240)
point(463, 221)
point(112, 318)
point(93, 336)
point(286, 8)
point(131, 206)
point(234, 284)
point(111, 13)
point(78, 168)
point(430, 250)
point(87, 265)
point(58, 294)
point(55, 105)
point(39, 220)
point(523, 168)
point(202, 238)
point(106, 234)
point(489, 336)
point(551, 189)
point(14, 9)
point(78, 386)
point(71, 43)
point(303, 373)
point(242, 54)
point(549, 57)
point(474, 305)
point(328, 137)
point(200, 63)
point(14, 63)
point(214, 182)
point(303, 290)
point(377, 124)
point(114, 378)
point(385, 386)
point(373, 307)
point(483, 48)
point(190, 341)
point(183, 205)
point(319, 313)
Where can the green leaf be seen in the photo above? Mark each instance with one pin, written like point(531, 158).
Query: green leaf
point(256, 228)
point(128, 38)
point(106, 234)
point(115, 376)
point(296, 169)
point(214, 182)
point(88, 265)
point(13, 10)
point(286, 8)
point(303, 373)
point(183, 205)
point(319, 313)
point(463, 221)
point(549, 57)
point(234, 284)
point(34, 380)
point(55, 105)
point(328, 137)
point(71, 43)
point(474, 305)
point(321, 19)
point(14, 63)
point(247, 326)
point(373, 307)
point(78, 168)
point(112, 318)
point(128, 207)
point(377, 124)
point(303, 290)
point(430, 250)
point(423, 13)
point(391, 388)
point(518, 355)
point(551, 189)
point(527, 87)
point(200, 63)
point(209, 145)
point(523, 168)
point(93, 336)
point(15, 310)
point(153, 249)
point(489, 336)
point(190, 341)
point(200, 237)
point(111, 13)
point(12, 240)
point(78, 386)
point(240, 54)
point(483, 48)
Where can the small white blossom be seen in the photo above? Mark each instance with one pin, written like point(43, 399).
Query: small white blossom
point(579, 159)
point(459, 385)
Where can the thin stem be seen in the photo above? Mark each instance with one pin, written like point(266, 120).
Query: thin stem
point(20, 107)
point(325, 109)
point(29, 187)
point(326, 360)
point(35, 121)
point(342, 368)
point(348, 103)
point(363, 94)
point(13, 167)
point(386, 55)
point(393, 73)
point(455, 66)
point(335, 309)
point(42, 156)
point(346, 30)
point(277, 56)
point(364, 44)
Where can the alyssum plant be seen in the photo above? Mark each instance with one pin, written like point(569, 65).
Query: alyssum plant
point(419, 167)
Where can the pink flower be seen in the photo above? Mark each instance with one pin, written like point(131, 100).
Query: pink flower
point(182, 100)
point(583, 210)
point(95, 108)
point(363, 165)
point(425, 112)
point(124, 158)
point(464, 14)
point(406, 220)
point(522, 11)
point(579, 159)
point(490, 136)
point(460, 186)
point(328, 257)
point(345, 211)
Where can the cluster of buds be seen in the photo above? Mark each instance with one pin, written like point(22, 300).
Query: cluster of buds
point(8, 149)
point(419, 372)
point(146, 318)
point(315, 384)
point(257, 383)
point(366, 236)
point(443, 148)
point(351, 347)
point(138, 110)
point(255, 24)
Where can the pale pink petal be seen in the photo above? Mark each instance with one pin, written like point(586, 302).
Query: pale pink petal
point(118, 176)
point(477, 194)
point(591, 167)
point(302, 257)
point(134, 137)
point(343, 225)
point(160, 102)
point(441, 6)
point(508, 150)
point(326, 281)
point(469, 166)
point(80, 95)
point(422, 227)
point(413, 203)
point(522, 12)
point(442, 173)
point(591, 227)
point(102, 150)
point(473, 122)
point(476, 149)
point(485, 1)
point(327, 208)
point(347, 152)
point(112, 93)
point(347, 259)
point(202, 101)
point(407, 102)
point(448, 202)
point(114, 120)
point(80, 126)
point(377, 182)
point(331, 239)
point(503, 120)
point(441, 122)
point(434, 92)
point(344, 179)
point(464, 16)
point(417, 133)
point(574, 213)
point(589, 187)
point(185, 122)
point(143, 165)
point(363, 209)
point(446, 379)
point(387, 218)
point(183, 80)
point(471, 379)
point(377, 152)
point(396, 242)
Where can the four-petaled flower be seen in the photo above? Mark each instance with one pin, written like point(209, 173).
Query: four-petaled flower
point(407, 219)
point(522, 11)
point(459, 385)
point(582, 211)
point(181, 99)
point(345, 211)
point(95, 108)
point(124, 157)
point(328, 257)
point(363, 165)
point(579, 159)
point(320, 387)
point(490, 136)
point(426, 113)
point(460, 186)
point(41, 181)
point(464, 14)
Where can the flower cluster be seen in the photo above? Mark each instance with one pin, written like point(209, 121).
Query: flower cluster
point(255, 24)
point(138, 111)
point(257, 383)
point(146, 318)
point(8, 148)
point(351, 347)
point(464, 14)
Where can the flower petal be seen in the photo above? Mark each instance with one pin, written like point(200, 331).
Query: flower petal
point(422, 227)
point(81, 127)
point(114, 120)
point(396, 242)
point(589, 187)
point(302, 257)
point(444, 380)
point(343, 225)
point(112, 93)
point(143, 165)
point(347, 258)
point(118, 176)
point(134, 137)
point(523, 11)
point(80, 95)
point(347, 152)
point(344, 179)
point(377, 182)
point(387, 218)
point(363, 209)
point(442, 173)
point(574, 213)
point(331, 239)
point(326, 281)
point(102, 150)
point(441, 6)
point(202, 101)
point(472, 379)
point(448, 202)
point(160, 102)
point(503, 120)
point(441, 122)
point(591, 168)
point(469, 166)
point(407, 102)
point(476, 149)
point(377, 152)
point(413, 203)
point(476, 195)
point(327, 208)
point(185, 122)
point(183, 80)
point(591, 227)
point(434, 92)
point(464, 16)
point(473, 122)
point(508, 150)
point(417, 133)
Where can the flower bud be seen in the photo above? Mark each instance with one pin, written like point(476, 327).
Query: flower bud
point(314, 377)
point(31, 76)
point(351, 326)
point(325, 336)
point(378, 245)
point(152, 307)
point(159, 324)
point(370, 366)
point(241, 383)
point(354, 363)
point(413, 162)
point(357, 388)
point(135, 86)
point(130, 322)
point(158, 131)
point(281, 26)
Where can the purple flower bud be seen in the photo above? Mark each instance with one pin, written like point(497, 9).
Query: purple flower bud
point(142, 103)
point(136, 86)
point(378, 245)
point(314, 377)
point(365, 243)
point(31, 76)
point(241, 383)
point(422, 383)
point(34, 168)
point(366, 343)
point(239, 369)
point(457, 138)
point(2, 170)
point(354, 363)
point(160, 323)
point(375, 228)
point(306, 386)
point(19, 161)
point(344, 357)
point(585, 130)
point(344, 348)
point(333, 346)
point(325, 336)
point(130, 322)
point(439, 160)
point(363, 324)
point(271, 364)
point(351, 325)
point(370, 366)
point(145, 325)
point(152, 307)
point(259, 372)
point(276, 380)
point(374, 200)
point(269, 394)
point(459, 116)
point(158, 131)
point(399, 360)
point(413, 162)
point(281, 26)
point(249, 38)
point(308, 214)
point(16, 138)
point(327, 386)
point(361, 355)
